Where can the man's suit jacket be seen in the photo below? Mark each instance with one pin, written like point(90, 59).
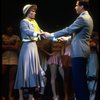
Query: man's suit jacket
point(82, 27)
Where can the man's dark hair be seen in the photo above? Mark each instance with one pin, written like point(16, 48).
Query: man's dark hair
point(84, 3)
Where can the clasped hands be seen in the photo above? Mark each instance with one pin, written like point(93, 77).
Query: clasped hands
point(45, 34)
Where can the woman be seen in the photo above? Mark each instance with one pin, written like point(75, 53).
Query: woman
point(29, 74)
point(10, 46)
point(54, 63)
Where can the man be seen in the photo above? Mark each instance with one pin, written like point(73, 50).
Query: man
point(81, 28)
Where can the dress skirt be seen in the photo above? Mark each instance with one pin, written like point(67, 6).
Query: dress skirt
point(29, 72)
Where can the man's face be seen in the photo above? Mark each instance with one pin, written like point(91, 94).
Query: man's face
point(78, 8)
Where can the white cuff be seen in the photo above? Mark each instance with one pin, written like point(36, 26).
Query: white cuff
point(52, 34)
point(35, 34)
point(43, 73)
point(54, 39)
point(68, 38)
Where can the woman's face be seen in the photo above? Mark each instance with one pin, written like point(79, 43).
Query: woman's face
point(32, 14)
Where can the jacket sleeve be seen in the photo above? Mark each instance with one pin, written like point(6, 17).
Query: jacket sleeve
point(76, 26)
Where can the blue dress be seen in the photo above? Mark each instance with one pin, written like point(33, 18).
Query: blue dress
point(29, 72)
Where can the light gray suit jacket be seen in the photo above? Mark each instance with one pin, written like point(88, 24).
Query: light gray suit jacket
point(82, 27)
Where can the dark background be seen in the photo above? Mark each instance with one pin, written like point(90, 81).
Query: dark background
point(51, 15)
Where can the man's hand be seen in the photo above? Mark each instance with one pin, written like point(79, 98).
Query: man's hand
point(61, 38)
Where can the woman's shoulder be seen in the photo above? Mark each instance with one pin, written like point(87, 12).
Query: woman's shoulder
point(23, 20)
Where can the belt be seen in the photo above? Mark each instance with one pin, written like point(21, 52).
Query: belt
point(27, 40)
